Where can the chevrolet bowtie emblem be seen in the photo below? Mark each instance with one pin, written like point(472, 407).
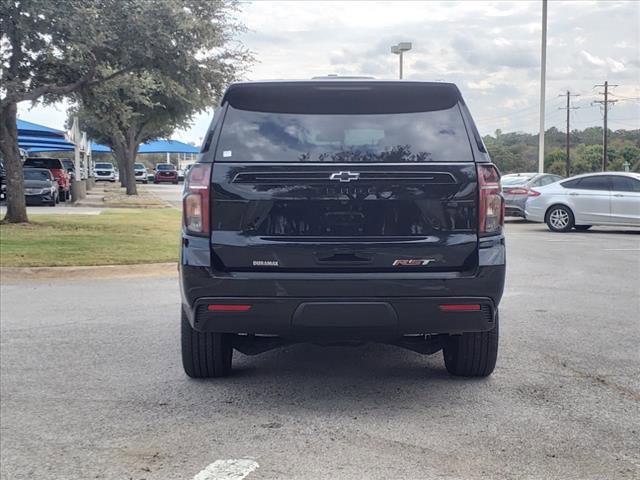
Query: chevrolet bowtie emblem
point(344, 177)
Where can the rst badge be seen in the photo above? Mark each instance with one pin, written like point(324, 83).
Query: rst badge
point(413, 262)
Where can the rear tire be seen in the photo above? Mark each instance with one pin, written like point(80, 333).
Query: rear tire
point(204, 354)
point(472, 354)
point(559, 218)
point(582, 228)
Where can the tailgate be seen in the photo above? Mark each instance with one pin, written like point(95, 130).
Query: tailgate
point(344, 217)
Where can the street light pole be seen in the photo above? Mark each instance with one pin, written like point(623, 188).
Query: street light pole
point(543, 80)
point(399, 49)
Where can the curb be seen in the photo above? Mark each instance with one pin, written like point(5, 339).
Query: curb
point(26, 274)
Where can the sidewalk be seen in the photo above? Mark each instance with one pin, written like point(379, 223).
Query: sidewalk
point(114, 196)
point(60, 209)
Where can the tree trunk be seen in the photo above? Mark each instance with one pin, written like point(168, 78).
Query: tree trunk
point(132, 187)
point(126, 157)
point(16, 205)
point(122, 169)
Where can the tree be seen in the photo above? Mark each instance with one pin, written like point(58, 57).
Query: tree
point(50, 49)
point(142, 106)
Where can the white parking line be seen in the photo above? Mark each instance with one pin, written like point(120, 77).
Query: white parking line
point(233, 469)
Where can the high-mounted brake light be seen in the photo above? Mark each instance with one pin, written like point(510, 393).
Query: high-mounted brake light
point(491, 208)
point(195, 202)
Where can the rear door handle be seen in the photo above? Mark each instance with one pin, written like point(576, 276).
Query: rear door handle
point(618, 195)
point(574, 194)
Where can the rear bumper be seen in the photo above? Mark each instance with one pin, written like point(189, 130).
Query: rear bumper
point(513, 211)
point(340, 318)
point(514, 206)
point(340, 306)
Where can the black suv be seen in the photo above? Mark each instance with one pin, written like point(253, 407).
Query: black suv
point(333, 211)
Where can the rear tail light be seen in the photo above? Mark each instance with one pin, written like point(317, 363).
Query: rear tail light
point(195, 203)
point(491, 201)
point(517, 191)
point(218, 307)
point(534, 193)
point(460, 307)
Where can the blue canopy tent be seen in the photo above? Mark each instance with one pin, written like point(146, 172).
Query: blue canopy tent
point(156, 146)
point(38, 138)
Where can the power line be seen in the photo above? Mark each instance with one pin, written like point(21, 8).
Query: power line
point(605, 103)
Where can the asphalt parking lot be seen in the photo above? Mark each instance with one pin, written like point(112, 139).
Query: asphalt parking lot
point(92, 386)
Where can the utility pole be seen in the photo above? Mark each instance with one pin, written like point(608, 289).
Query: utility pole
point(568, 108)
point(605, 135)
point(543, 79)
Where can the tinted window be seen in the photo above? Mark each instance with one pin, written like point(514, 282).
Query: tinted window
point(37, 174)
point(165, 166)
point(625, 184)
point(434, 136)
point(598, 182)
point(104, 166)
point(43, 163)
point(139, 166)
point(571, 183)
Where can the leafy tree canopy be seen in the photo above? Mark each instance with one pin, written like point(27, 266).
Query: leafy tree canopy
point(518, 152)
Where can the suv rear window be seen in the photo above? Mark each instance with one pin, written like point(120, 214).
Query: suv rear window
point(47, 163)
point(429, 136)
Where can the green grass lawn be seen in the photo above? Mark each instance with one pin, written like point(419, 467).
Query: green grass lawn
point(116, 237)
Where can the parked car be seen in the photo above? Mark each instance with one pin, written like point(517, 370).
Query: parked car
point(363, 211)
point(609, 198)
point(57, 169)
point(517, 186)
point(70, 168)
point(165, 172)
point(140, 172)
point(40, 187)
point(105, 172)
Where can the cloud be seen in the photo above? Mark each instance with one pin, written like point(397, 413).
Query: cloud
point(592, 59)
point(491, 50)
point(489, 54)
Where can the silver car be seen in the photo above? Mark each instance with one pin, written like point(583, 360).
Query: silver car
point(516, 188)
point(611, 198)
point(140, 172)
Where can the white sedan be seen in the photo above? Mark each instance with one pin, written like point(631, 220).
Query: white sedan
point(608, 198)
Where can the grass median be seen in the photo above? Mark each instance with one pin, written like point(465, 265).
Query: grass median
point(116, 237)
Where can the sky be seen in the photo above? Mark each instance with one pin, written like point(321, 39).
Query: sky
point(491, 50)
